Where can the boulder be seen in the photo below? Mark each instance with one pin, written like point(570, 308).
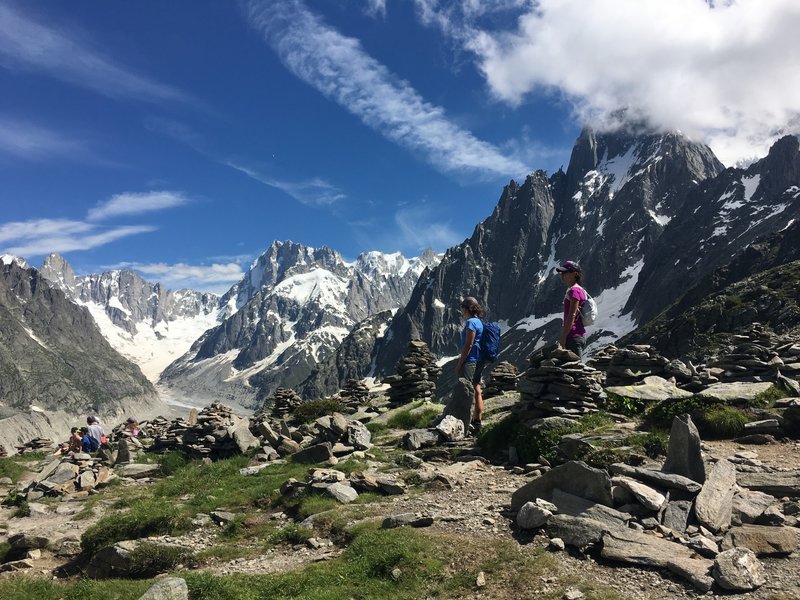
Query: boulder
point(762, 540)
point(123, 452)
point(461, 401)
point(683, 453)
point(111, 561)
point(738, 392)
point(451, 429)
point(533, 516)
point(287, 446)
point(779, 484)
point(653, 389)
point(314, 454)
point(749, 505)
point(138, 471)
point(573, 477)
point(676, 515)
point(578, 532)
point(358, 435)
point(420, 438)
point(64, 472)
point(28, 541)
point(634, 547)
point(245, 440)
point(657, 478)
point(713, 506)
point(569, 504)
point(645, 495)
point(407, 519)
point(738, 569)
point(169, 588)
point(342, 492)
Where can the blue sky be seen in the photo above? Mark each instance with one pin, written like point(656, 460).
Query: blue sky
point(181, 138)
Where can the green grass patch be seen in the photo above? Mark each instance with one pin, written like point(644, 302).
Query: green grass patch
point(625, 405)
point(768, 397)
point(406, 419)
point(145, 518)
point(315, 504)
point(172, 462)
point(662, 414)
point(149, 559)
point(377, 429)
point(5, 548)
point(23, 587)
point(314, 409)
point(15, 466)
point(652, 443)
point(722, 422)
point(291, 534)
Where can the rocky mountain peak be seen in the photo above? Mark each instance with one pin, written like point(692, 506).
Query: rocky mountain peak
point(56, 269)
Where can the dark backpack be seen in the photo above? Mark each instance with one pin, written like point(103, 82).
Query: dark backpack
point(490, 342)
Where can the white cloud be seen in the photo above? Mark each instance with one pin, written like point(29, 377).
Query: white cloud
point(314, 192)
point(27, 44)
point(339, 68)
point(42, 236)
point(419, 230)
point(32, 142)
point(727, 74)
point(133, 203)
point(376, 8)
point(216, 278)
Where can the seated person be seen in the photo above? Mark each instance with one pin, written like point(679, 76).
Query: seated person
point(88, 443)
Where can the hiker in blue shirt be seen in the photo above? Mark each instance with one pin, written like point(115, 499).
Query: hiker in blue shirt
point(470, 366)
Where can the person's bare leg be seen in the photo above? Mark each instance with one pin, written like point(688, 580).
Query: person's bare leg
point(477, 414)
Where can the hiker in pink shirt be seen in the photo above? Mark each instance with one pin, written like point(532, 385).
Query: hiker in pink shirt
point(573, 334)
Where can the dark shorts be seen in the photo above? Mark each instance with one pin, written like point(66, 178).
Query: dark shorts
point(472, 371)
point(576, 344)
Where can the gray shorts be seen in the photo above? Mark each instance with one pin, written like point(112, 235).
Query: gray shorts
point(473, 371)
point(577, 344)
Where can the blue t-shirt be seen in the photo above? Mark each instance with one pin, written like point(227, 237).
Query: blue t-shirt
point(476, 325)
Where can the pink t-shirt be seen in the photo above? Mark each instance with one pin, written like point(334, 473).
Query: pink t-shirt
point(578, 293)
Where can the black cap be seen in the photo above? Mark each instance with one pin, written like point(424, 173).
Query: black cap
point(569, 266)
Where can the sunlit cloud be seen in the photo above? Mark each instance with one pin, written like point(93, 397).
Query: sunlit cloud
point(724, 72)
point(338, 67)
point(135, 203)
point(31, 45)
point(314, 192)
point(27, 141)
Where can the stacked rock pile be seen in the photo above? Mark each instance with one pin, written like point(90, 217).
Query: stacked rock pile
point(558, 383)
point(631, 364)
point(74, 474)
point(341, 487)
point(354, 394)
point(503, 378)
point(284, 402)
point(218, 433)
point(416, 375)
point(758, 355)
point(38, 444)
point(706, 522)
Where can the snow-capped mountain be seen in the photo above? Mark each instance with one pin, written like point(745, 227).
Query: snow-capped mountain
point(290, 311)
point(145, 322)
point(630, 208)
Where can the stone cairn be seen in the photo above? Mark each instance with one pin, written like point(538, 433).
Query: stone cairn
point(38, 444)
point(354, 393)
point(75, 473)
point(558, 383)
point(758, 355)
point(416, 375)
point(503, 379)
point(631, 364)
point(218, 433)
point(284, 402)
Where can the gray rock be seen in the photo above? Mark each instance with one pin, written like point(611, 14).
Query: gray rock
point(287, 446)
point(342, 492)
point(254, 470)
point(222, 517)
point(676, 515)
point(138, 471)
point(749, 505)
point(777, 484)
point(28, 541)
point(112, 561)
point(645, 495)
point(123, 452)
point(573, 477)
point(390, 486)
point(683, 453)
point(738, 569)
point(245, 440)
point(762, 540)
point(739, 392)
point(714, 504)
point(557, 544)
point(87, 481)
point(16, 565)
point(575, 506)
point(657, 478)
point(633, 547)
point(451, 429)
point(64, 473)
point(420, 438)
point(653, 389)
point(407, 519)
point(461, 401)
point(358, 435)
point(532, 516)
point(314, 454)
point(704, 546)
point(577, 532)
point(169, 588)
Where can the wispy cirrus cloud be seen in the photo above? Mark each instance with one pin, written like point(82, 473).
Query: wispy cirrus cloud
point(136, 203)
point(338, 67)
point(724, 71)
point(314, 192)
point(31, 45)
point(38, 237)
point(215, 277)
point(34, 143)
point(376, 8)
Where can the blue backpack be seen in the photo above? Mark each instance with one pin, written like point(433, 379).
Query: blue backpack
point(490, 342)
